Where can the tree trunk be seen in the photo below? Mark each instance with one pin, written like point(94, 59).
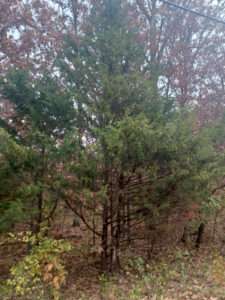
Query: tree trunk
point(104, 255)
point(200, 234)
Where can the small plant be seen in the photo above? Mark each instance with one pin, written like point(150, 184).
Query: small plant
point(42, 270)
point(137, 265)
point(136, 293)
point(218, 269)
point(105, 283)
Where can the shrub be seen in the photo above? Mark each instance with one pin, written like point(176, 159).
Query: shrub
point(42, 270)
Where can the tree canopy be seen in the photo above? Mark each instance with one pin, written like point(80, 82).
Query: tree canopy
point(113, 130)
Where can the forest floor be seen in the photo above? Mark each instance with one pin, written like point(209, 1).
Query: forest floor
point(177, 275)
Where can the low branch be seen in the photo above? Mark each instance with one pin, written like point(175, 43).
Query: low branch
point(79, 215)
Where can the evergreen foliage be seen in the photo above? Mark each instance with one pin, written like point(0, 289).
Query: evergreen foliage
point(98, 127)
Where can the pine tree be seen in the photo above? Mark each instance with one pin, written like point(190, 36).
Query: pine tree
point(97, 135)
point(142, 155)
point(41, 120)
